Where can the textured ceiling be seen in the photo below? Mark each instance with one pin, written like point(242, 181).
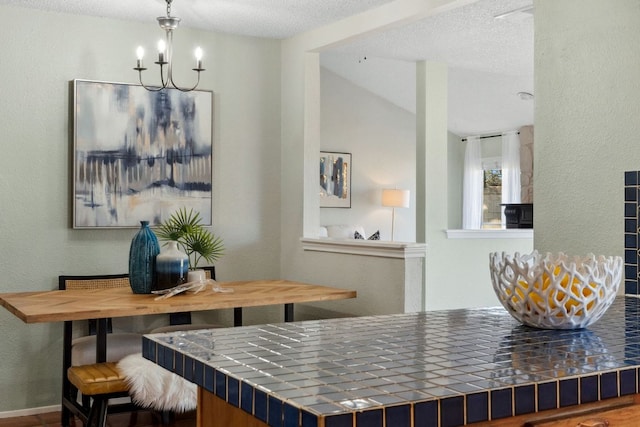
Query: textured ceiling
point(489, 59)
point(260, 18)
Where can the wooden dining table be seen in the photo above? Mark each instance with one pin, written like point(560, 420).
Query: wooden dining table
point(101, 304)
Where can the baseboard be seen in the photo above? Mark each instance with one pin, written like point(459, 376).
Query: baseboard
point(30, 411)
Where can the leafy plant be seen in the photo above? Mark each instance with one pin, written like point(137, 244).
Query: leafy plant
point(193, 238)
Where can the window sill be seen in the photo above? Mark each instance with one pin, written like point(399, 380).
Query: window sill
point(377, 248)
point(513, 233)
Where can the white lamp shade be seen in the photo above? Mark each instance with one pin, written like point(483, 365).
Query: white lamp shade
point(396, 198)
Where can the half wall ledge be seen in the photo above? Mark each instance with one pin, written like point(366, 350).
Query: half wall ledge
point(512, 233)
point(377, 248)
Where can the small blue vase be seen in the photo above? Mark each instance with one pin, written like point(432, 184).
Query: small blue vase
point(172, 267)
point(142, 259)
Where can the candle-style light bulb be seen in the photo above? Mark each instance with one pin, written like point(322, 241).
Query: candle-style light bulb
point(161, 48)
point(140, 55)
point(198, 54)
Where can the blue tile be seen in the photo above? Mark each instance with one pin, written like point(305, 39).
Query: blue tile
point(208, 379)
point(630, 241)
point(477, 407)
point(568, 392)
point(630, 225)
point(589, 389)
point(628, 382)
point(167, 361)
point(291, 416)
point(426, 413)
point(188, 368)
point(246, 397)
point(149, 349)
point(631, 178)
point(260, 405)
point(343, 420)
point(178, 364)
point(274, 412)
point(630, 210)
point(233, 391)
point(309, 420)
point(630, 194)
point(608, 385)
point(452, 411)
point(371, 418)
point(501, 403)
point(630, 256)
point(630, 271)
point(398, 416)
point(160, 353)
point(525, 399)
point(221, 385)
point(547, 396)
point(198, 373)
point(631, 287)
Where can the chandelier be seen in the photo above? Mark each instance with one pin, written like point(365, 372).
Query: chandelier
point(165, 53)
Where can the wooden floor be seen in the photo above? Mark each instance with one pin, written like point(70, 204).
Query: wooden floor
point(140, 419)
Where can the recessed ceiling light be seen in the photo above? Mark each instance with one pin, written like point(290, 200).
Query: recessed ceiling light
point(525, 96)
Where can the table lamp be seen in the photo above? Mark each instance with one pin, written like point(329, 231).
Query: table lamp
point(395, 199)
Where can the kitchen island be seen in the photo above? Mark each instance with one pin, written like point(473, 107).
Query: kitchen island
point(442, 368)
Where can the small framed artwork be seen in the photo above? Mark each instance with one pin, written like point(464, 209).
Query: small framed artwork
point(139, 155)
point(335, 180)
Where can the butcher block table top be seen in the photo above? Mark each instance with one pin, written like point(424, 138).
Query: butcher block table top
point(54, 306)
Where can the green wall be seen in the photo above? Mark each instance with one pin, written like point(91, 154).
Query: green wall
point(41, 53)
point(587, 119)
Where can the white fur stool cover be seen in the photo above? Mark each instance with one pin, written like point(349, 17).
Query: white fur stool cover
point(154, 387)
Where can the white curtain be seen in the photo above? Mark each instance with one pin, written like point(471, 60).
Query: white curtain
point(510, 167)
point(472, 185)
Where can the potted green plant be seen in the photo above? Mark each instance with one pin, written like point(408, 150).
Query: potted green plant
point(193, 238)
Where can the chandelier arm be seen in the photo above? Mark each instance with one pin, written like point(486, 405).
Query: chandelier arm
point(165, 83)
point(186, 89)
point(168, 24)
point(149, 88)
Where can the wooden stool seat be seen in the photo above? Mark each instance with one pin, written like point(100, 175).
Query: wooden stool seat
point(97, 378)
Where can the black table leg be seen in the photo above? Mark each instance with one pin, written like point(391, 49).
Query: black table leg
point(65, 417)
point(288, 312)
point(237, 316)
point(101, 341)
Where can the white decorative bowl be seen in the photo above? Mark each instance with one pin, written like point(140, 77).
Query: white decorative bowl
point(555, 291)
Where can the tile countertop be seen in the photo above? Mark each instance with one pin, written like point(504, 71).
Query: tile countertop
point(441, 368)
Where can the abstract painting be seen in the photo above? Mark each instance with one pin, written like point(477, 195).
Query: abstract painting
point(139, 155)
point(335, 180)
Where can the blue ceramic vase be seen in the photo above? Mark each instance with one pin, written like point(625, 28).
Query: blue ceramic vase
point(172, 267)
point(142, 259)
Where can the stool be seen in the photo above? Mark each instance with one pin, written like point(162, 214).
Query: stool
point(101, 382)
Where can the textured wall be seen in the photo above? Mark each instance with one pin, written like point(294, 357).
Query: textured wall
point(37, 243)
point(586, 117)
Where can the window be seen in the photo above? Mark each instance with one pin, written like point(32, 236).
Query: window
point(490, 181)
point(492, 198)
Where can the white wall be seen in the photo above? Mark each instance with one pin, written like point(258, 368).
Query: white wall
point(381, 138)
point(41, 53)
point(587, 122)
